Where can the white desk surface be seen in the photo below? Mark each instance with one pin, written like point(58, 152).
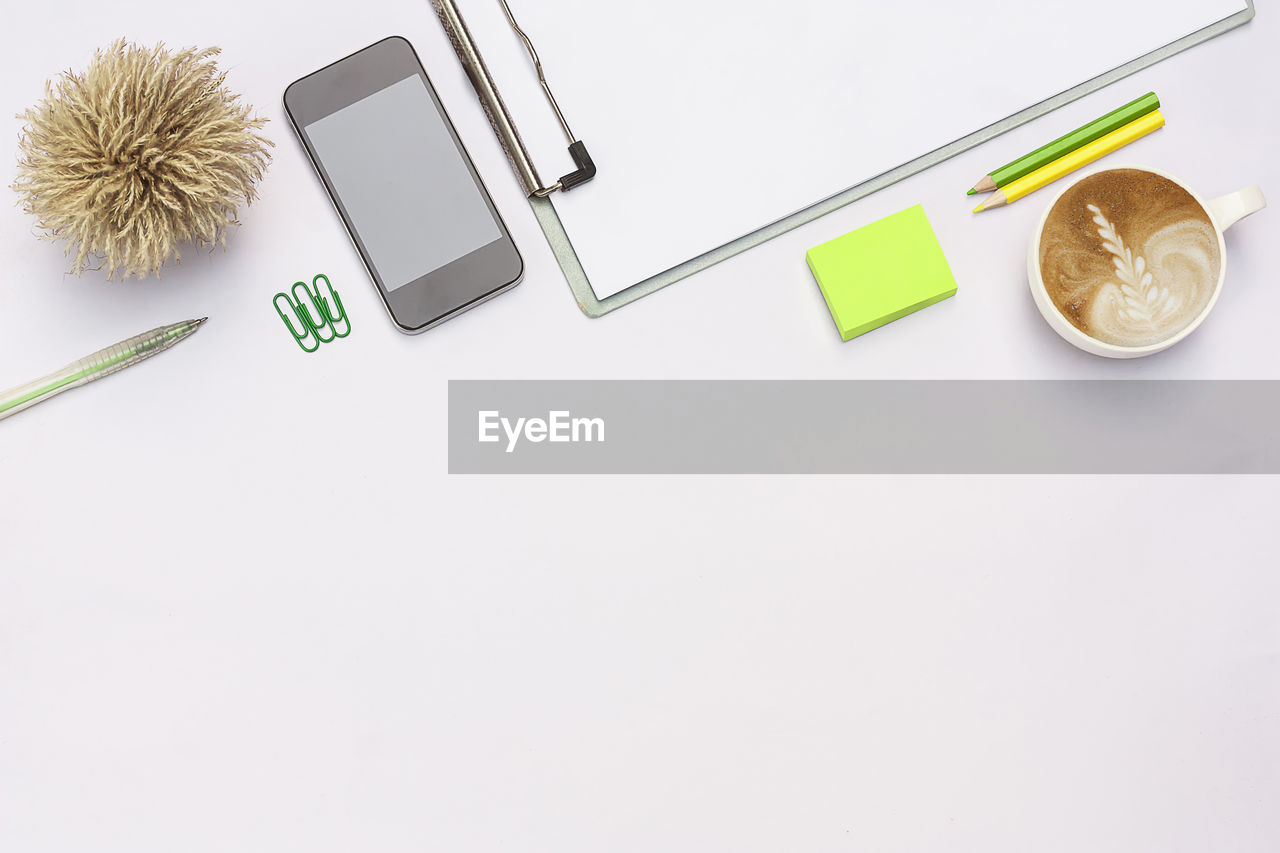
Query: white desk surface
point(244, 607)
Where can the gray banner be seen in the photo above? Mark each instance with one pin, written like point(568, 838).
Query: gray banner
point(863, 427)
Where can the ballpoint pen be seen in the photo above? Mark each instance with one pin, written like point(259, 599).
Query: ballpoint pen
point(102, 363)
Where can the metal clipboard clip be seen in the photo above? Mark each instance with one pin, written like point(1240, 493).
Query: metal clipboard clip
point(499, 118)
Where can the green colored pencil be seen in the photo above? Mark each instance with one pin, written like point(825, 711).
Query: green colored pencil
point(1064, 145)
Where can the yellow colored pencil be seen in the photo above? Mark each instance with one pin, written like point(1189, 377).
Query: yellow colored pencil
point(1068, 163)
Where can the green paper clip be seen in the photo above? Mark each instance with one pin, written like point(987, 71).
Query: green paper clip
point(299, 336)
point(314, 312)
point(325, 306)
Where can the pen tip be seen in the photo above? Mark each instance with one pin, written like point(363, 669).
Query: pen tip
point(201, 321)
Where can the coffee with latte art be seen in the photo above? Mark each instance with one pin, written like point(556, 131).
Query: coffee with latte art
point(1128, 257)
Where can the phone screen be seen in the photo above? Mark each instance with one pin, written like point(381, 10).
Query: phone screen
point(407, 190)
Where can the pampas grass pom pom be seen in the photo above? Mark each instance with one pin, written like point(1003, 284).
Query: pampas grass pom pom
point(143, 152)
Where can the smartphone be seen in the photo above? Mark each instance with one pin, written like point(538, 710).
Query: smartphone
point(403, 184)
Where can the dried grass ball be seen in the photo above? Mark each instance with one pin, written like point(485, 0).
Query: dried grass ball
point(143, 152)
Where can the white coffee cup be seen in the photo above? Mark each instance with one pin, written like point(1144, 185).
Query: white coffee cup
point(1223, 212)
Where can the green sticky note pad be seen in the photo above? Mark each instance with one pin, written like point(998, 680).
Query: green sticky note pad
point(881, 272)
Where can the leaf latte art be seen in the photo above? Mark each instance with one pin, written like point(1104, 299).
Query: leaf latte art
point(1129, 257)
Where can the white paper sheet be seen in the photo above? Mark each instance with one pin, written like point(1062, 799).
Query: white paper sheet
point(686, 103)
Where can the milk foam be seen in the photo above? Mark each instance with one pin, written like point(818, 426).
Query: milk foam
point(1181, 261)
point(1129, 257)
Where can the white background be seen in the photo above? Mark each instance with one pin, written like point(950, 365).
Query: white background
point(244, 607)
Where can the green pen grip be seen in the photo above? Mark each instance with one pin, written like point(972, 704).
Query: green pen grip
point(102, 363)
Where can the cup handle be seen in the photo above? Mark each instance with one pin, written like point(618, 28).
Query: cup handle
point(1229, 209)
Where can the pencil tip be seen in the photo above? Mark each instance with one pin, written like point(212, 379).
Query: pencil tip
point(978, 209)
point(971, 192)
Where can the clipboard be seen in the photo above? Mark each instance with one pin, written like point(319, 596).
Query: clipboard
point(541, 196)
